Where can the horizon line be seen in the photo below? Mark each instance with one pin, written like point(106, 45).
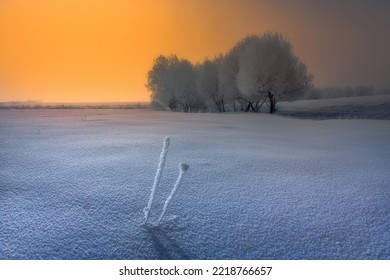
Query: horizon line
point(73, 102)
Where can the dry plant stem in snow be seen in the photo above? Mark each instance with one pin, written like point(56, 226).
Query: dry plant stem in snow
point(156, 182)
point(183, 168)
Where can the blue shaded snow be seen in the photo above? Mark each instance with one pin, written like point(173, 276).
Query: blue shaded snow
point(259, 186)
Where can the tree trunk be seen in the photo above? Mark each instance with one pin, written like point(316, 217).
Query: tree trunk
point(261, 104)
point(272, 103)
point(248, 107)
point(217, 104)
point(256, 107)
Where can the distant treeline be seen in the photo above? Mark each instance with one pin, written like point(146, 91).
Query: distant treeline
point(259, 71)
point(33, 105)
point(336, 92)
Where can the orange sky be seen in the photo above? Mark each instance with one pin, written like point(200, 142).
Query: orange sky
point(101, 50)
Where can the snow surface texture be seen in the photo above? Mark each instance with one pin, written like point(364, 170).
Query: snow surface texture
point(259, 187)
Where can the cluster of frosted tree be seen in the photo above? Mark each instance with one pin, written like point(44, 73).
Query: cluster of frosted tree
point(258, 70)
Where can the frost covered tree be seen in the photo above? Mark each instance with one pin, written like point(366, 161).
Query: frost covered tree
point(228, 69)
point(172, 83)
point(258, 70)
point(159, 81)
point(185, 92)
point(208, 84)
point(269, 71)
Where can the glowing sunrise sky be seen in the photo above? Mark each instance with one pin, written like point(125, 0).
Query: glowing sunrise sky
point(101, 50)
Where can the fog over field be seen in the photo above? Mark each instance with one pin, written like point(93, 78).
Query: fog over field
point(74, 184)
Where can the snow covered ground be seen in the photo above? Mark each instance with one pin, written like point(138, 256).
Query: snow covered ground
point(74, 183)
point(360, 107)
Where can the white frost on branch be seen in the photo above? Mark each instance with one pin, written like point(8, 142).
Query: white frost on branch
point(157, 178)
point(183, 167)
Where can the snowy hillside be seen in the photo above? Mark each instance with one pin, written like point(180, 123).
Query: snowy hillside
point(74, 183)
point(361, 107)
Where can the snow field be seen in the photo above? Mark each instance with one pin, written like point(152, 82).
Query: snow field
point(259, 186)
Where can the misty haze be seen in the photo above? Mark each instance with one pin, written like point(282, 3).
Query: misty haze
point(202, 129)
